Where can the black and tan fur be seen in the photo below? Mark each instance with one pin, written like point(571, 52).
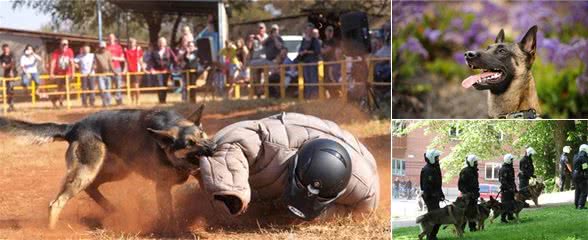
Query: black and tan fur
point(451, 214)
point(498, 208)
point(159, 145)
point(482, 213)
point(535, 191)
point(515, 90)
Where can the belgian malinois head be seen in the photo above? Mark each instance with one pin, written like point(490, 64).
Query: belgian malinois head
point(506, 74)
point(185, 141)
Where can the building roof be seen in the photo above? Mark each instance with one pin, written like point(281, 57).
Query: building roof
point(56, 36)
point(186, 7)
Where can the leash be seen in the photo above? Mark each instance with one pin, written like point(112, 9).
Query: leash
point(524, 114)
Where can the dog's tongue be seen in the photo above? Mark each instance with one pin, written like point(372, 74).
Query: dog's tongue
point(468, 82)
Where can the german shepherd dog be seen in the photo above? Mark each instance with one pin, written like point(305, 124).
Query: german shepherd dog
point(498, 208)
point(535, 190)
point(482, 213)
point(450, 214)
point(160, 145)
point(506, 73)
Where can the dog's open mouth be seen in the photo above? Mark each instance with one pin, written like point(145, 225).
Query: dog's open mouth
point(487, 77)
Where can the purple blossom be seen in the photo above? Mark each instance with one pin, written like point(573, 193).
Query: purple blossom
point(405, 12)
point(432, 34)
point(414, 46)
point(492, 12)
point(459, 58)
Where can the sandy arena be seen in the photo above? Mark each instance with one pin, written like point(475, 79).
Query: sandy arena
point(30, 177)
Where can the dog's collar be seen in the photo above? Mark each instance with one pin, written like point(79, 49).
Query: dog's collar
point(524, 114)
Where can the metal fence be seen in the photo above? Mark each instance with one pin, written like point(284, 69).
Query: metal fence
point(73, 83)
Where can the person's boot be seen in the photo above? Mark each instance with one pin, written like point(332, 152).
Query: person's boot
point(511, 217)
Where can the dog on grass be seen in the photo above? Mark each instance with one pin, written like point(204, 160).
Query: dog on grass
point(482, 213)
point(451, 214)
point(535, 189)
point(506, 73)
point(160, 145)
point(498, 208)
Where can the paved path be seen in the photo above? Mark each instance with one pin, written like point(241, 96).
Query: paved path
point(405, 212)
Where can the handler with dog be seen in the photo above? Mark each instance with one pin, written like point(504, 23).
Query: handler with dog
point(468, 185)
point(508, 188)
point(527, 171)
point(431, 181)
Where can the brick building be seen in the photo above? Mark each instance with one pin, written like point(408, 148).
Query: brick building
point(408, 159)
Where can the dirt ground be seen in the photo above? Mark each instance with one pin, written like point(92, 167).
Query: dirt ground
point(30, 177)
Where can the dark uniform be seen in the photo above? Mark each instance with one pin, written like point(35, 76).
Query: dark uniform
point(468, 184)
point(508, 188)
point(432, 192)
point(8, 71)
point(527, 170)
point(580, 177)
point(564, 172)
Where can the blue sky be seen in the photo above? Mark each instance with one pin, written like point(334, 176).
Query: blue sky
point(23, 18)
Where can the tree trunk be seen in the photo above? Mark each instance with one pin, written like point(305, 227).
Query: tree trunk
point(560, 135)
point(153, 21)
point(173, 40)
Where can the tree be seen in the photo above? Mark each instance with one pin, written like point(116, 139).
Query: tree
point(83, 18)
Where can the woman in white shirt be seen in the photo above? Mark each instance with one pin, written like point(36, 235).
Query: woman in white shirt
point(28, 64)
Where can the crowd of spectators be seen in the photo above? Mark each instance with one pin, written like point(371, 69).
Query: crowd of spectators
point(241, 61)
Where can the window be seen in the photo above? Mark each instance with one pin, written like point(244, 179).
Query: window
point(454, 132)
point(491, 171)
point(398, 167)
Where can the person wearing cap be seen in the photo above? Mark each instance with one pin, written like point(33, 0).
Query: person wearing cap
point(580, 176)
point(564, 167)
point(431, 180)
point(309, 52)
point(61, 67)
point(508, 187)
point(468, 184)
point(527, 171)
point(103, 67)
point(273, 43)
point(293, 163)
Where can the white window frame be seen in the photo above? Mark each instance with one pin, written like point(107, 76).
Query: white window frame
point(493, 165)
point(396, 171)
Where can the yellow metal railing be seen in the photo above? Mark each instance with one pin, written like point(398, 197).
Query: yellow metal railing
point(75, 87)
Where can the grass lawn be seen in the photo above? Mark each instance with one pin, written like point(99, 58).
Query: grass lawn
point(553, 223)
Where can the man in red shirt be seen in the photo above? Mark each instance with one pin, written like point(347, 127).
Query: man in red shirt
point(134, 57)
point(117, 61)
point(61, 67)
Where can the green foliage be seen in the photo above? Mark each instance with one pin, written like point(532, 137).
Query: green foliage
point(447, 69)
point(550, 223)
point(557, 91)
point(490, 140)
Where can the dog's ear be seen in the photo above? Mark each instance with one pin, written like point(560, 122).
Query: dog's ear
point(500, 37)
point(164, 137)
point(196, 116)
point(529, 41)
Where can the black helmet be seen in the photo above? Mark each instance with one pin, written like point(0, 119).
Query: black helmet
point(318, 174)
